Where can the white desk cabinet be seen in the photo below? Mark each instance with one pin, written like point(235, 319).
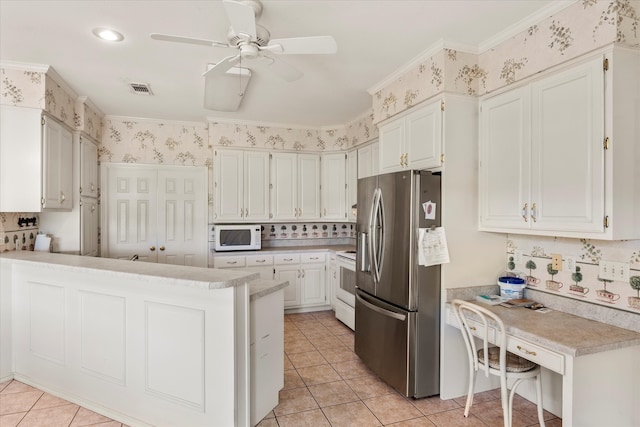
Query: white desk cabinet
point(413, 141)
point(35, 161)
point(241, 185)
point(554, 153)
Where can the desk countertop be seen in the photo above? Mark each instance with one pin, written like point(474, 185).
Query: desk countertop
point(564, 332)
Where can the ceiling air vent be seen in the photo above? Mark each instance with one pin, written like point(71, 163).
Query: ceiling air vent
point(141, 89)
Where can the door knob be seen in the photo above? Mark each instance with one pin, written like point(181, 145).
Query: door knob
point(162, 248)
point(152, 248)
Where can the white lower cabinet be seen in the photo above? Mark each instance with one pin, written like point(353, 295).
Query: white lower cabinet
point(306, 275)
point(267, 347)
point(261, 264)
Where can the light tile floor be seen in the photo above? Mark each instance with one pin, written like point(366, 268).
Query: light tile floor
point(325, 384)
point(24, 406)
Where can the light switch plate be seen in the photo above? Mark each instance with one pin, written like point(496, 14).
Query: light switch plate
point(616, 271)
point(517, 256)
point(571, 263)
point(556, 262)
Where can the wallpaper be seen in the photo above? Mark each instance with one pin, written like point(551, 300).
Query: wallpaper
point(583, 284)
point(574, 31)
point(88, 120)
point(32, 89)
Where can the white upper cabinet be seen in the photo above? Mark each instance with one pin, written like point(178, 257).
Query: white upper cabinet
point(352, 183)
point(334, 175)
point(544, 163)
point(413, 141)
point(368, 159)
point(241, 185)
point(35, 161)
point(88, 168)
point(295, 186)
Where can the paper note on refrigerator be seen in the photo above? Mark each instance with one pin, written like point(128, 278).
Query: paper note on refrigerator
point(429, 209)
point(432, 246)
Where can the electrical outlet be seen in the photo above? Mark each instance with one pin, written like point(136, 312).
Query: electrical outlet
point(556, 262)
point(517, 256)
point(571, 263)
point(617, 271)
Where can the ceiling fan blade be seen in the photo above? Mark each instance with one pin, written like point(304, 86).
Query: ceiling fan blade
point(188, 40)
point(242, 18)
point(222, 66)
point(282, 69)
point(304, 45)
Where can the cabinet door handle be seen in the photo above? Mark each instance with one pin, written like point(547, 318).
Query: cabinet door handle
point(231, 262)
point(152, 248)
point(524, 212)
point(241, 213)
point(246, 215)
point(261, 260)
point(288, 259)
point(62, 197)
point(303, 274)
point(534, 214)
point(162, 248)
point(314, 257)
point(298, 274)
point(525, 351)
point(93, 208)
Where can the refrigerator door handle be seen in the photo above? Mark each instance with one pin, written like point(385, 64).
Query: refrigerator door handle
point(372, 237)
point(364, 244)
point(381, 310)
point(381, 235)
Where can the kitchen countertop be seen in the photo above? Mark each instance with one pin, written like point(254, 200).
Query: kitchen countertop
point(178, 275)
point(259, 288)
point(288, 249)
point(563, 332)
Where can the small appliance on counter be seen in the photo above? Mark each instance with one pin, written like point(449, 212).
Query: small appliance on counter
point(237, 237)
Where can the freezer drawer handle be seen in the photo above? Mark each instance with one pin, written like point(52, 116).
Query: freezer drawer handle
point(382, 311)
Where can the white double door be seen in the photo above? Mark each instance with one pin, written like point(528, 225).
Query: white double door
point(156, 212)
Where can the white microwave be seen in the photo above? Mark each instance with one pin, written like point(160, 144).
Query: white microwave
point(238, 237)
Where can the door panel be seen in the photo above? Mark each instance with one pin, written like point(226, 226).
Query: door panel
point(382, 339)
point(131, 201)
point(396, 200)
point(366, 188)
point(181, 217)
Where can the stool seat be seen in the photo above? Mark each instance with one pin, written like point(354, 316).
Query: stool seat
point(515, 363)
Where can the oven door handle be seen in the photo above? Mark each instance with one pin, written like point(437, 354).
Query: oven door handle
point(381, 310)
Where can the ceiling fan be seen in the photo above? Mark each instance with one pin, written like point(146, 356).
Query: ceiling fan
point(252, 42)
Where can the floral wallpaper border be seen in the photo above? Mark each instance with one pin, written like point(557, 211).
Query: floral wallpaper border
point(578, 29)
point(584, 284)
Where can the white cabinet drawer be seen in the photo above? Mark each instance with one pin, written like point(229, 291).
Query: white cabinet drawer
point(229, 261)
point(306, 258)
point(477, 328)
point(286, 259)
point(537, 354)
point(259, 260)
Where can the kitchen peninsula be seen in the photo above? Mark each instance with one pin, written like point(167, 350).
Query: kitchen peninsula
point(146, 344)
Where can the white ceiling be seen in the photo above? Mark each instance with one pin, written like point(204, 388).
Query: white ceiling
point(374, 37)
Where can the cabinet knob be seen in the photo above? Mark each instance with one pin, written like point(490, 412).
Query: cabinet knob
point(524, 212)
point(162, 248)
point(152, 248)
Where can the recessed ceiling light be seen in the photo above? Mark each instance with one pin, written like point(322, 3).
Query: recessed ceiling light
point(108, 34)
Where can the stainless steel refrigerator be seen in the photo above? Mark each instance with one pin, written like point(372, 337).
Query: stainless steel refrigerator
point(397, 325)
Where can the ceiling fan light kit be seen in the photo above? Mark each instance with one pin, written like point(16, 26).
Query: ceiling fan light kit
point(251, 41)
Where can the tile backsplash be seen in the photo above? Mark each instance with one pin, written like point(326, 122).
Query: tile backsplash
point(18, 227)
point(583, 284)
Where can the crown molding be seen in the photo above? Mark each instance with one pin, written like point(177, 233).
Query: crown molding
point(41, 68)
point(53, 74)
point(420, 58)
point(514, 29)
point(549, 10)
point(83, 99)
